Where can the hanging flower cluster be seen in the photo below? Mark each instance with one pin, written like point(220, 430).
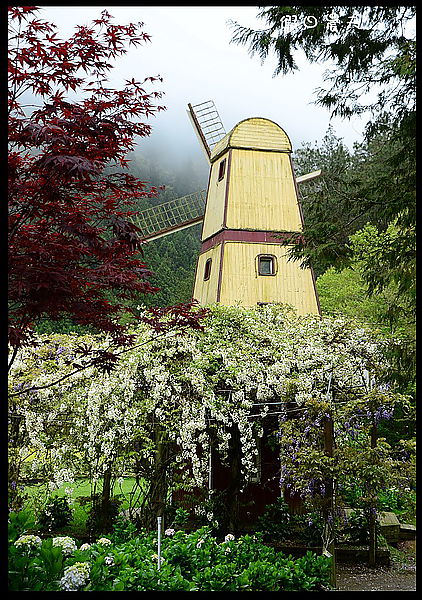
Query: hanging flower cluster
point(197, 385)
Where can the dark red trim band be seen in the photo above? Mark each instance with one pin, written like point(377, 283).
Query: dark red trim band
point(243, 235)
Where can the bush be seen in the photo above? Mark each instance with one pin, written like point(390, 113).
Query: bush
point(194, 561)
point(103, 515)
point(56, 514)
point(278, 525)
point(274, 523)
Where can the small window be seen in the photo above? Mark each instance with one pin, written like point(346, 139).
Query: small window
point(207, 270)
point(266, 264)
point(221, 170)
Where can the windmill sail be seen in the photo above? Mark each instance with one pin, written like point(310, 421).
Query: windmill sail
point(174, 215)
point(207, 124)
point(171, 216)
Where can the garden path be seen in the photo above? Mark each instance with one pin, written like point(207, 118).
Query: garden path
point(400, 576)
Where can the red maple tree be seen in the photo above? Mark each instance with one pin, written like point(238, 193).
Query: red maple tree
point(71, 238)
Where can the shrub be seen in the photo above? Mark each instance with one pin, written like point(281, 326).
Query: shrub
point(103, 515)
point(56, 514)
point(194, 561)
point(274, 522)
point(278, 525)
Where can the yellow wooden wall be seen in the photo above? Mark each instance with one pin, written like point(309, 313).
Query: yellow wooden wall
point(206, 291)
point(213, 220)
point(241, 285)
point(262, 193)
point(261, 197)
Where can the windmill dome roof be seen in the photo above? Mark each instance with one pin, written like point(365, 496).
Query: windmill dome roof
point(255, 133)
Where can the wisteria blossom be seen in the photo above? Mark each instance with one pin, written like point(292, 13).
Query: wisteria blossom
point(231, 375)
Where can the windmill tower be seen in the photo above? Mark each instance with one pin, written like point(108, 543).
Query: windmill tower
point(251, 205)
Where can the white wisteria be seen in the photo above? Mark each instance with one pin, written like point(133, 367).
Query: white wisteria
point(246, 363)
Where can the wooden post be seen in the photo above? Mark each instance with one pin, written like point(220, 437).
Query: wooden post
point(372, 521)
point(372, 518)
point(329, 535)
point(159, 486)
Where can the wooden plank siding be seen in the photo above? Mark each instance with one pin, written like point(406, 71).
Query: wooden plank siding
point(262, 194)
point(241, 284)
point(206, 291)
point(256, 197)
point(215, 204)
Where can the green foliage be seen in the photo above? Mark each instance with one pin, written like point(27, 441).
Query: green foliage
point(123, 530)
point(376, 254)
point(368, 47)
point(35, 569)
point(275, 521)
point(181, 517)
point(172, 259)
point(401, 501)
point(103, 514)
point(55, 514)
point(190, 562)
point(19, 522)
point(344, 293)
point(356, 530)
point(278, 524)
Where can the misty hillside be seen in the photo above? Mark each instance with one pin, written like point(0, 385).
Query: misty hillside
point(172, 258)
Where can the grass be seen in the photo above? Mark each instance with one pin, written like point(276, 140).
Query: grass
point(81, 488)
point(81, 491)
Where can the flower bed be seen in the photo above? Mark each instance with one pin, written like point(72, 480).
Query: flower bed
point(194, 561)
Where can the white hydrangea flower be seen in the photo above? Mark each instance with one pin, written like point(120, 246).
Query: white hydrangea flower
point(229, 537)
point(32, 541)
point(109, 560)
point(104, 541)
point(75, 577)
point(66, 543)
point(85, 547)
point(169, 532)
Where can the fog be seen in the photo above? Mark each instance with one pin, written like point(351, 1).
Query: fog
point(190, 49)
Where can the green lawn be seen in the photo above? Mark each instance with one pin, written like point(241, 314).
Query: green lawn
point(80, 509)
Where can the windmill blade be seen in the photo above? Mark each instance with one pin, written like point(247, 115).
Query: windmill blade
point(308, 176)
point(207, 125)
point(171, 216)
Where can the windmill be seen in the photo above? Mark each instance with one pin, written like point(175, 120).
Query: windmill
point(250, 205)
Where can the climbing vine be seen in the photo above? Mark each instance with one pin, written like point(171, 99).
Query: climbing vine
point(169, 397)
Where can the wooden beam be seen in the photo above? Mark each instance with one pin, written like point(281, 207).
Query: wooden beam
point(197, 128)
point(308, 176)
point(172, 229)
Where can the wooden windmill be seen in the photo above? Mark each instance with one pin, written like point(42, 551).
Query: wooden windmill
point(250, 205)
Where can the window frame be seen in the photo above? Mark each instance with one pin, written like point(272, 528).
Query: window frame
point(207, 269)
point(221, 170)
point(273, 262)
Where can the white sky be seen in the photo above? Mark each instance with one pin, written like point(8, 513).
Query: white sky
point(190, 49)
